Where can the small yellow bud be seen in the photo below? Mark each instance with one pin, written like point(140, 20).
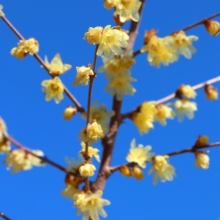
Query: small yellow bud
point(202, 160)
point(125, 171)
point(187, 91)
point(211, 92)
point(202, 141)
point(69, 112)
point(213, 27)
point(138, 173)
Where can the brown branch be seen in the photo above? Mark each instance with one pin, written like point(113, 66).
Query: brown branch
point(203, 21)
point(109, 140)
point(4, 216)
point(38, 58)
point(173, 95)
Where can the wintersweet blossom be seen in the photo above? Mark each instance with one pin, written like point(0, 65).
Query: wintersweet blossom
point(128, 8)
point(187, 91)
point(211, 92)
point(83, 75)
point(30, 46)
point(87, 170)
point(111, 41)
point(22, 160)
point(56, 65)
point(120, 85)
point(92, 152)
point(69, 192)
point(144, 118)
point(160, 50)
point(93, 36)
point(202, 160)
point(1, 12)
point(184, 107)
point(162, 169)
point(53, 88)
point(202, 141)
point(100, 114)
point(90, 205)
point(139, 154)
point(138, 173)
point(213, 27)
point(4, 143)
point(94, 132)
point(163, 112)
point(183, 44)
point(69, 112)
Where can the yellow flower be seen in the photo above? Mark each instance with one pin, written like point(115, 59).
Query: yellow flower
point(119, 85)
point(162, 169)
point(202, 141)
point(1, 12)
point(93, 35)
point(4, 143)
point(53, 88)
point(90, 205)
point(94, 131)
point(100, 114)
point(138, 173)
point(111, 41)
point(128, 8)
point(184, 107)
point(211, 92)
point(21, 160)
point(109, 4)
point(202, 160)
point(92, 152)
point(30, 46)
point(69, 112)
point(160, 50)
point(56, 66)
point(163, 112)
point(213, 27)
point(125, 171)
point(87, 170)
point(117, 65)
point(69, 192)
point(139, 154)
point(144, 118)
point(183, 44)
point(83, 75)
point(187, 91)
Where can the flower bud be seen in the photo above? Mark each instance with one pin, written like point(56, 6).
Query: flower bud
point(202, 160)
point(211, 92)
point(125, 171)
point(137, 173)
point(202, 141)
point(69, 112)
point(213, 27)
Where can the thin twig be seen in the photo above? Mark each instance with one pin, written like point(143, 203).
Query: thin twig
point(173, 95)
point(38, 58)
point(4, 216)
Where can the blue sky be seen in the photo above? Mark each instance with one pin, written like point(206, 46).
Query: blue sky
point(59, 27)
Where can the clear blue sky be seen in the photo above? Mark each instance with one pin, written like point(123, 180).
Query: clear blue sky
point(59, 26)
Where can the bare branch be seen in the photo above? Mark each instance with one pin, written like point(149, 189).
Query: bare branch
point(173, 95)
point(38, 58)
point(4, 216)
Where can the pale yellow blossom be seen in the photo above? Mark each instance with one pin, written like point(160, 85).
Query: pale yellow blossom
point(56, 65)
point(202, 141)
point(93, 36)
point(53, 88)
point(213, 27)
point(144, 117)
point(187, 91)
point(1, 12)
point(87, 170)
point(100, 114)
point(202, 160)
point(21, 160)
point(90, 205)
point(139, 154)
point(162, 169)
point(163, 112)
point(92, 152)
point(69, 112)
point(4, 143)
point(184, 107)
point(211, 92)
point(83, 75)
point(109, 4)
point(111, 41)
point(69, 192)
point(120, 86)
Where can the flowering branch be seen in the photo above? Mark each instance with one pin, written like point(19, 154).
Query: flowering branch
point(4, 216)
point(174, 95)
point(116, 120)
point(203, 21)
point(38, 58)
